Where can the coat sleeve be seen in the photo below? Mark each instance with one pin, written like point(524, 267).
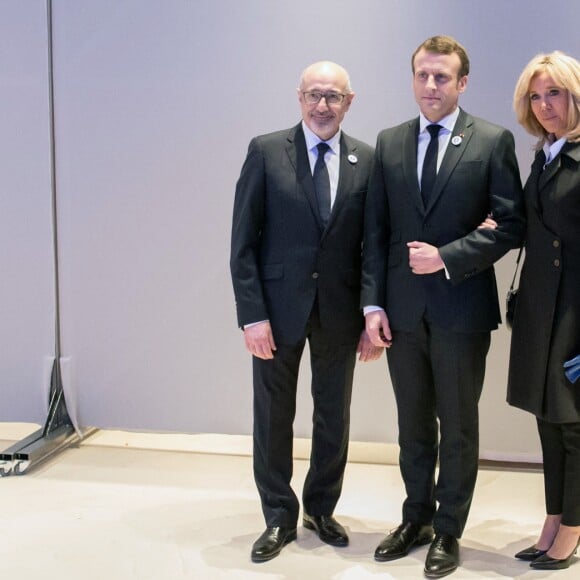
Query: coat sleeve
point(376, 237)
point(247, 223)
point(480, 248)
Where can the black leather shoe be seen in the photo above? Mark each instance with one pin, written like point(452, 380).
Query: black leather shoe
point(442, 557)
point(398, 543)
point(327, 528)
point(271, 542)
point(529, 554)
point(545, 562)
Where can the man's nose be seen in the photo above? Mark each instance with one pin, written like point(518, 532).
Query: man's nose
point(322, 104)
point(431, 84)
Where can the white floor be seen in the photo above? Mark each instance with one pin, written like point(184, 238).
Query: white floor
point(129, 506)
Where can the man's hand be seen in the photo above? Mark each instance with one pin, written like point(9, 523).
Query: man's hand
point(260, 341)
point(378, 329)
point(424, 258)
point(488, 224)
point(366, 349)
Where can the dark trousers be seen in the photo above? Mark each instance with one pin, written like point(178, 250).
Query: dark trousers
point(561, 454)
point(438, 377)
point(275, 383)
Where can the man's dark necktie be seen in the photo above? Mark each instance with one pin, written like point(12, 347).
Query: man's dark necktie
point(429, 173)
point(322, 183)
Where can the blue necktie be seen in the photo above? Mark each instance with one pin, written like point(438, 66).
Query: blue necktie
point(429, 172)
point(322, 183)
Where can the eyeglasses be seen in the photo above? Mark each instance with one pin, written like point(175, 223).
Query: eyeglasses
point(313, 97)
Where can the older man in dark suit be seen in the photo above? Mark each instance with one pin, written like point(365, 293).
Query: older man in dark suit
point(296, 266)
point(444, 204)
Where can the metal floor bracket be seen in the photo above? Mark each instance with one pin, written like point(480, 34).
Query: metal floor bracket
point(57, 435)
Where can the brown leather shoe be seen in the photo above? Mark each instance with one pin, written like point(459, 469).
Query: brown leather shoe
point(327, 529)
point(442, 557)
point(400, 542)
point(271, 542)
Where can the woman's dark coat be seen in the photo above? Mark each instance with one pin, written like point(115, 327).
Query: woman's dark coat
point(546, 329)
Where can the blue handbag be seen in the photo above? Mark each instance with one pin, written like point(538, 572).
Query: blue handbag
point(572, 369)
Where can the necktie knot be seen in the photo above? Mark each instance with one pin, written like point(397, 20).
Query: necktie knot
point(434, 130)
point(322, 148)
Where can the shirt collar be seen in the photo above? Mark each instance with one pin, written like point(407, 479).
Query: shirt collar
point(313, 140)
point(552, 149)
point(447, 122)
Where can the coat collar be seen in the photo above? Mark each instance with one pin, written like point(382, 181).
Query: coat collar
point(571, 150)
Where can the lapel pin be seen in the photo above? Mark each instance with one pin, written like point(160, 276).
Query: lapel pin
point(352, 158)
point(457, 140)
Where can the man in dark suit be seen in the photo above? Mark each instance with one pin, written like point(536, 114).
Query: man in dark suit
point(296, 266)
point(444, 203)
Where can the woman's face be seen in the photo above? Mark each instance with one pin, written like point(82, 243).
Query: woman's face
point(549, 104)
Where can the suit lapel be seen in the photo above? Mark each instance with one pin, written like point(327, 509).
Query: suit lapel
point(410, 163)
point(346, 172)
point(296, 149)
point(464, 130)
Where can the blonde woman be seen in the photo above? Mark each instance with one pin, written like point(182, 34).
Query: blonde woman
point(546, 331)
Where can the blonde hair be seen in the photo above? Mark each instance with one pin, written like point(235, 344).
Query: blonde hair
point(565, 72)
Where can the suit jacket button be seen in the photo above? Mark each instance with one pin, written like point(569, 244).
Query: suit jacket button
point(315, 275)
point(556, 243)
point(557, 263)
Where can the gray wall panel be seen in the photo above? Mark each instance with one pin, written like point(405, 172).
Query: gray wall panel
point(26, 265)
point(155, 105)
